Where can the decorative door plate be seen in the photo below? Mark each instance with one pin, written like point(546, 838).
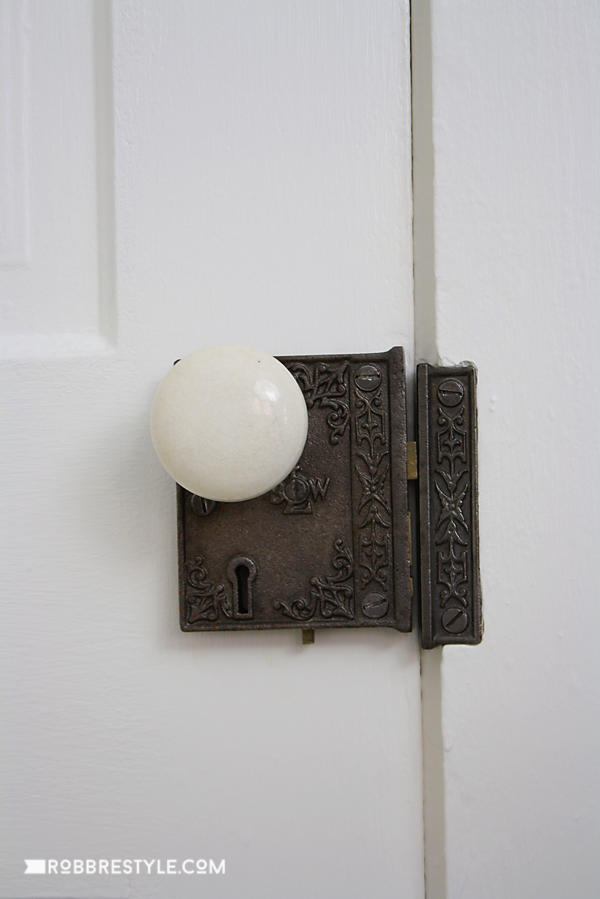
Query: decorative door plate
point(448, 507)
point(329, 547)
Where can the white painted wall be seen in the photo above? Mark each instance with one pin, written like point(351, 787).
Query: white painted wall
point(515, 240)
point(262, 196)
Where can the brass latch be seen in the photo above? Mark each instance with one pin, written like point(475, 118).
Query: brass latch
point(412, 468)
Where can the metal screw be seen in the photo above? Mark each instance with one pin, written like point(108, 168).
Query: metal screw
point(455, 620)
point(203, 506)
point(375, 605)
point(368, 377)
point(450, 392)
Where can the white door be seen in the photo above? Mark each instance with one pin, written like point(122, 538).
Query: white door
point(181, 174)
point(508, 114)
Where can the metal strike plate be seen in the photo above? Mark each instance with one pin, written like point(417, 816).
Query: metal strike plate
point(448, 512)
point(329, 547)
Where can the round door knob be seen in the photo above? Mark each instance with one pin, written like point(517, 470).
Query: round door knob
point(229, 423)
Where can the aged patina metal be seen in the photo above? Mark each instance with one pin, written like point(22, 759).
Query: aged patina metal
point(449, 532)
point(330, 547)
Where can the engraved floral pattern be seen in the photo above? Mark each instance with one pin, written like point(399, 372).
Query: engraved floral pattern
point(451, 481)
point(372, 468)
point(204, 597)
point(330, 596)
point(324, 384)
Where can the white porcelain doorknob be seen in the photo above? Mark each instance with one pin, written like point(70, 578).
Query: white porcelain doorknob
point(229, 423)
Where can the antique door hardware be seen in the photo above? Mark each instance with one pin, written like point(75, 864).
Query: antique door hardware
point(329, 545)
point(450, 588)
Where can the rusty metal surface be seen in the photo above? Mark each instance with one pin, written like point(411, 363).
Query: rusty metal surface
point(329, 547)
point(448, 506)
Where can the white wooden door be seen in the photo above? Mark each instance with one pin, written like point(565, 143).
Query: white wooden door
point(508, 126)
point(180, 174)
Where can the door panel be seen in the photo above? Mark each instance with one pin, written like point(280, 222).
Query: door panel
point(262, 195)
point(517, 193)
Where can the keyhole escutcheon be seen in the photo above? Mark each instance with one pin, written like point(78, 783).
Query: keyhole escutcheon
point(242, 571)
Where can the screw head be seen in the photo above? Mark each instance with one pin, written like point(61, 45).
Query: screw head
point(455, 620)
point(368, 377)
point(203, 506)
point(450, 392)
point(375, 605)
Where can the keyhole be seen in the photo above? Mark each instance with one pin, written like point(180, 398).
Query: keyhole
point(241, 571)
point(242, 574)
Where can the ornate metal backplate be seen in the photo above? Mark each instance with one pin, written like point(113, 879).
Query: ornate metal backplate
point(329, 547)
point(448, 513)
